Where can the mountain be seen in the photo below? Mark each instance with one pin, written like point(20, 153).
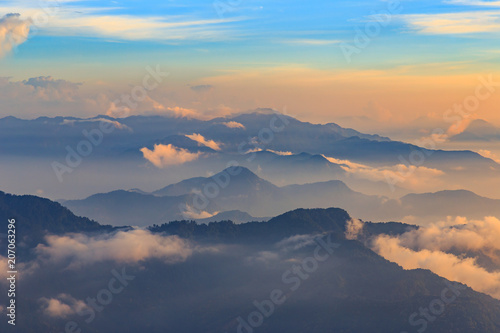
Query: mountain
point(237, 181)
point(239, 189)
point(277, 147)
point(354, 290)
point(235, 216)
point(297, 272)
point(133, 208)
point(235, 188)
point(36, 217)
point(444, 203)
point(478, 130)
point(49, 137)
point(285, 168)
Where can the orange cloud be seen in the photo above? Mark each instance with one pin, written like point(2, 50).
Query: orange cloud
point(204, 142)
point(429, 248)
point(164, 155)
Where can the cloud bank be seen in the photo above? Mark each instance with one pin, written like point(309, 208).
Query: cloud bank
point(450, 249)
point(417, 178)
point(124, 247)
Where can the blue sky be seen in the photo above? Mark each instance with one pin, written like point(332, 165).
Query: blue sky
point(246, 32)
point(202, 41)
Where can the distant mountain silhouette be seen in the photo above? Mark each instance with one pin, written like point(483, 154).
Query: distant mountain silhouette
point(352, 289)
point(48, 137)
point(232, 189)
point(36, 217)
point(241, 190)
point(478, 130)
point(132, 208)
point(452, 202)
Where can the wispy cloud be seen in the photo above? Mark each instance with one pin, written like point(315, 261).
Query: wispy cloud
point(454, 23)
point(312, 42)
point(204, 142)
point(474, 3)
point(73, 18)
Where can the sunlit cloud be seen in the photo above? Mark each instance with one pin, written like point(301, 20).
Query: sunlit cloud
point(412, 177)
point(116, 124)
point(233, 124)
point(165, 155)
point(489, 154)
point(105, 22)
point(13, 31)
point(454, 23)
point(474, 3)
point(204, 142)
point(431, 248)
point(62, 306)
point(125, 247)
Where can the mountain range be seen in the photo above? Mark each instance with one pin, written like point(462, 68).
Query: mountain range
point(238, 188)
point(277, 147)
point(268, 267)
point(49, 136)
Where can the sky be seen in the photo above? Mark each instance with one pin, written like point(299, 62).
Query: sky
point(391, 61)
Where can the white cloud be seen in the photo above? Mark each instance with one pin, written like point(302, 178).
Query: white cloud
point(164, 155)
point(126, 247)
point(44, 95)
point(115, 123)
point(191, 213)
point(204, 142)
point(13, 32)
point(105, 22)
point(430, 248)
point(233, 124)
point(353, 228)
point(281, 153)
point(62, 306)
point(411, 177)
point(297, 242)
point(474, 3)
point(454, 23)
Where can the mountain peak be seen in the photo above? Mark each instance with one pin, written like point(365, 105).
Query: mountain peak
point(238, 171)
point(320, 220)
